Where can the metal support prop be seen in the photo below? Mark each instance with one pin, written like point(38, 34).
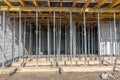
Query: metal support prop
point(111, 41)
point(115, 30)
point(85, 41)
point(54, 49)
point(99, 47)
point(65, 40)
point(71, 34)
point(30, 40)
point(24, 38)
point(59, 40)
point(39, 41)
point(13, 40)
point(20, 35)
point(48, 40)
point(3, 60)
point(36, 38)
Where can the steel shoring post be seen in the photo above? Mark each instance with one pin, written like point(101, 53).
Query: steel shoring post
point(30, 39)
point(99, 47)
point(39, 41)
point(71, 42)
point(74, 40)
point(115, 51)
point(48, 35)
point(36, 38)
point(65, 40)
point(59, 40)
point(85, 46)
point(19, 35)
point(111, 41)
point(24, 38)
point(3, 23)
point(13, 40)
point(54, 49)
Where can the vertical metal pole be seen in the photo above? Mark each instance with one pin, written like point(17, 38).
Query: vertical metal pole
point(19, 35)
point(111, 41)
point(13, 40)
point(115, 30)
point(54, 34)
point(59, 40)
point(48, 40)
point(99, 47)
point(71, 42)
point(36, 38)
point(39, 41)
point(24, 39)
point(65, 40)
point(3, 60)
point(30, 40)
point(85, 41)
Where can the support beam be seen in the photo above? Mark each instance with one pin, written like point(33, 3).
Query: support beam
point(71, 37)
point(36, 38)
point(13, 40)
point(99, 47)
point(39, 40)
point(22, 2)
point(57, 9)
point(48, 39)
point(74, 3)
point(24, 38)
point(114, 3)
point(3, 23)
point(8, 3)
point(115, 31)
point(85, 40)
point(19, 35)
point(35, 3)
point(100, 3)
point(30, 37)
point(86, 4)
point(54, 47)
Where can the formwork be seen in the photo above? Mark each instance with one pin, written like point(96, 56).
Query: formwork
point(60, 33)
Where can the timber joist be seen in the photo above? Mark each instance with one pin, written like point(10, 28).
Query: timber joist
point(57, 9)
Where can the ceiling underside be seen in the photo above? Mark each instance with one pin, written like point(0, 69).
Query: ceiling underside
point(62, 9)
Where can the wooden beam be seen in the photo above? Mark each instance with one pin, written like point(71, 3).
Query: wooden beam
point(35, 3)
point(86, 4)
point(8, 3)
point(57, 9)
point(100, 3)
point(114, 3)
point(22, 2)
point(74, 3)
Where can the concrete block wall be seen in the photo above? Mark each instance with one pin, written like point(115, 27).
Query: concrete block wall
point(107, 45)
point(9, 39)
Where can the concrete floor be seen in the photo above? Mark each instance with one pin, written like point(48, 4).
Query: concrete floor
point(52, 76)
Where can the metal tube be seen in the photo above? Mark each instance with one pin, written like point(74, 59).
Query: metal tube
point(99, 47)
point(13, 40)
point(54, 49)
point(24, 38)
point(48, 40)
point(85, 41)
point(3, 60)
point(59, 40)
point(39, 41)
point(71, 42)
point(30, 40)
point(115, 30)
point(19, 35)
point(36, 38)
